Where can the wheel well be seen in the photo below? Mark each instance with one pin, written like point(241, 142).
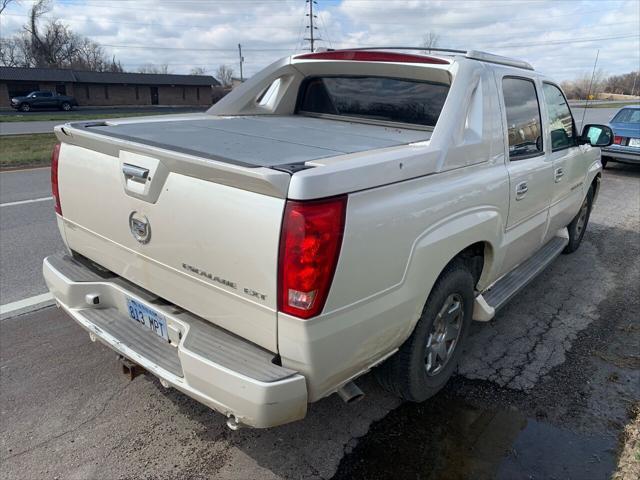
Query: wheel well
point(595, 185)
point(475, 256)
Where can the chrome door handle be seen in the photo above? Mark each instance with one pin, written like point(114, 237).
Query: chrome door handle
point(521, 190)
point(138, 174)
point(559, 173)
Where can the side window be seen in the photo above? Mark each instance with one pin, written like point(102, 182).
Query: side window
point(560, 119)
point(523, 118)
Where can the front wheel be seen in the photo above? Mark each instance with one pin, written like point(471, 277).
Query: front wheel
point(66, 106)
point(578, 225)
point(428, 358)
point(25, 107)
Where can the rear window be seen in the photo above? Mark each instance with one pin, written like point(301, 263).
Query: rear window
point(627, 115)
point(377, 98)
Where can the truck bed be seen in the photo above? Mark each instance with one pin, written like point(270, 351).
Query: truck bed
point(257, 141)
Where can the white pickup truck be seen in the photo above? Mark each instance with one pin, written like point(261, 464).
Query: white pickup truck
point(340, 212)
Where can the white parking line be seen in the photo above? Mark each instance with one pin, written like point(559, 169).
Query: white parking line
point(25, 304)
point(22, 202)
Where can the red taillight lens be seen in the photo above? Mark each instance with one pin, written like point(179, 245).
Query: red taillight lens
point(309, 248)
point(617, 140)
point(54, 178)
point(371, 56)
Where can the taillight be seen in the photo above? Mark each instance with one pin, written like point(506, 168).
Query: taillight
point(309, 248)
point(54, 178)
point(618, 140)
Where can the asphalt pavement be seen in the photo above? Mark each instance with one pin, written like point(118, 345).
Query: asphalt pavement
point(543, 392)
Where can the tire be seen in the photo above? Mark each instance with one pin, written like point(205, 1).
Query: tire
point(415, 372)
point(25, 107)
point(603, 161)
point(578, 225)
point(66, 106)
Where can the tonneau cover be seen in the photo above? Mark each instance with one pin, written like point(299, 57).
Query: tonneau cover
point(258, 141)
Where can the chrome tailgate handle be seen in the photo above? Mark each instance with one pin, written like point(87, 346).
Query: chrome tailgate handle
point(135, 173)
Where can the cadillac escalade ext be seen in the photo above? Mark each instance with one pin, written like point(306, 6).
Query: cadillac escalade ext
point(340, 212)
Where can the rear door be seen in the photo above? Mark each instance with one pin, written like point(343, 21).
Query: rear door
point(569, 164)
point(530, 171)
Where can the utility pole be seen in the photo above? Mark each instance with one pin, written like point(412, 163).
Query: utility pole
point(241, 61)
point(311, 27)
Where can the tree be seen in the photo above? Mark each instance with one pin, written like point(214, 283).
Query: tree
point(53, 45)
point(430, 40)
point(149, 68)
point(197, 71)
point(5, 3)
point(224, 75)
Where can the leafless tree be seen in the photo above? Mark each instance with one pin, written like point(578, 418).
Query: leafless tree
point(430, 40)
point(5, 3)
point(224, 74)
point(198, 71)
point(150, 68)
point(53, 45)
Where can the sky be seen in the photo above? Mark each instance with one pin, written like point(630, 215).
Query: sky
point(559, 37)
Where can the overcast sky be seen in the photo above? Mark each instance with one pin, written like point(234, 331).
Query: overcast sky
point(559, 37)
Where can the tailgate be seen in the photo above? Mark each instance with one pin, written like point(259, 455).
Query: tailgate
point(207, 247)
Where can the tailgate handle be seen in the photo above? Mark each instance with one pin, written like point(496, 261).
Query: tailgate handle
point(135, 173)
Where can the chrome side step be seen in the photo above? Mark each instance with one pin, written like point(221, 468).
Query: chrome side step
point(508, 286)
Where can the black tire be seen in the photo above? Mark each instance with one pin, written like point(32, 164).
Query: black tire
point(578, 225)
point(66, 106)
point(405, 373)
point(604, 161)
point(25, 107)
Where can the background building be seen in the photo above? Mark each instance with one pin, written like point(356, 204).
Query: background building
point(108, 88)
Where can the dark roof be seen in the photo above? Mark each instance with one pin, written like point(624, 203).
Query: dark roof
point(60, 75)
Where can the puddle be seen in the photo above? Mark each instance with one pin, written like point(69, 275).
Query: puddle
point(446, 438)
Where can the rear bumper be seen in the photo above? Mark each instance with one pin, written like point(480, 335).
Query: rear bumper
point(209, 364)
point(631, 155)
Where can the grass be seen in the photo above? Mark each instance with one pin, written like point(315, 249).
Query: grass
point(43, 117)
point(26, 150)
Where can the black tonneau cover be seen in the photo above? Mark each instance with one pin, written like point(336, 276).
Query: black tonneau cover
point(257, 141)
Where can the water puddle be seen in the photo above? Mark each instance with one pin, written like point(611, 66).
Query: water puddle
point(446, 438)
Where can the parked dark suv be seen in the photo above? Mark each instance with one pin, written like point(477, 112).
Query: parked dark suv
point(43, 99)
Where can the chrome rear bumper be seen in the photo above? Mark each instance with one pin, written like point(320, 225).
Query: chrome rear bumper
point(211, 365)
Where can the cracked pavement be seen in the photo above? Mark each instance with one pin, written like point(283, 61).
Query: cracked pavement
point(67, 411)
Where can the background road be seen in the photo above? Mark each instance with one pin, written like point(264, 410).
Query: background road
point(544, 389)
point(593, 115)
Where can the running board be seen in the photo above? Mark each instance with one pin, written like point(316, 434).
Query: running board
point(504, 289)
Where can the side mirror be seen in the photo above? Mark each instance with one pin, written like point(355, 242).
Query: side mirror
point(596, 135)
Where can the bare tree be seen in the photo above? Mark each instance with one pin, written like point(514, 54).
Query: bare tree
point(52, 45)
point(224, 74)
point(430, 40)
point(198, 71)
point(5, 3)
point(150, 68)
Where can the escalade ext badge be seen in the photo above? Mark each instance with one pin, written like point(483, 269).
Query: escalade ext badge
point(140, 228)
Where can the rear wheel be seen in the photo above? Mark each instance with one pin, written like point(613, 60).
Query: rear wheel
point(430, 355)
point(66, 106)
point(578, 225)
point(25, 107)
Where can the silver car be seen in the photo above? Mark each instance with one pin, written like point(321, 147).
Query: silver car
point(626, 144)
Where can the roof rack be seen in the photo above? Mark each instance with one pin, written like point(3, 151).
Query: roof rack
point(473, 54)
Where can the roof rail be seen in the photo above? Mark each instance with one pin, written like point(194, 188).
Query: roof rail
point(473, 54)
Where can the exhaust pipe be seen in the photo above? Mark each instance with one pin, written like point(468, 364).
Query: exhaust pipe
point(350, 393)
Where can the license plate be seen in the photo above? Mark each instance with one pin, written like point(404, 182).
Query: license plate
point(148, 318)
point(634, 142)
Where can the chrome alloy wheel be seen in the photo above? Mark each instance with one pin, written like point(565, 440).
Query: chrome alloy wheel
point(444, 335)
